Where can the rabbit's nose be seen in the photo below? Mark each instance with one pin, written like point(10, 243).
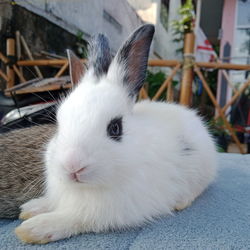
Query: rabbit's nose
point(75, 176)
point(74, 161)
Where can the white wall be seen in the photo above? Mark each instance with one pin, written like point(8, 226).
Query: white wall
point(149, 11)
point(115, 18)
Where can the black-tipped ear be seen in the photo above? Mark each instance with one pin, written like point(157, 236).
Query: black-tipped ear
point(99, 55)
point(133, 58)
point(76, 67)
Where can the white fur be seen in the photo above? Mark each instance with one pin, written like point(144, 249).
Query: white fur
point(127, 183)
point(165, 159)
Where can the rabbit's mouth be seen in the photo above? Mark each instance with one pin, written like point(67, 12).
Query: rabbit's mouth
point(76, 175)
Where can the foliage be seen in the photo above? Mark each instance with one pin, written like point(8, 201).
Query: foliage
point(164, 16)
point(81, 44)
point(220, 134)
point(217, 127)
point(154, 82)
point(201, 100)
point(185, 23)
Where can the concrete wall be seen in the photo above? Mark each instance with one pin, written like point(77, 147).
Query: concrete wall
point(115, 18)
point(149, 11)
point(39, 33)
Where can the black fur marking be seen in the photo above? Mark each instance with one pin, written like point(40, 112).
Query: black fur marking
point(186, 148)
point(115, 129)
point(187, 151)
point(99, 55)
point(133, 56)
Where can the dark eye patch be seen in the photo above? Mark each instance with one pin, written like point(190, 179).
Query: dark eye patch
point(114, 129)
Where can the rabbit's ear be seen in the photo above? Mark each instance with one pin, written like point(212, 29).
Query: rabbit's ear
point(76, 67)
point(132, 59)
point(99, 55)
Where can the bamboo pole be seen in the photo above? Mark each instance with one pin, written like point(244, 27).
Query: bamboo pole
point(229, 81)
point(40, 89)
point(170, 93)
point(47, 62)
point(187, 74)
point(208, 65)
point(4, 58)
point(3, 75)
point(163, 63)
point(19, 74)
point(166, 82)
point(152, 63)
point(10, 51)
point(213, 99)
point(233, 99)
point(18, 45)
point(25, 45)
point(229, 66)
point(22, 85)
point(16, 70)
point(62, 70)
point(19, 49)
point(143, 94)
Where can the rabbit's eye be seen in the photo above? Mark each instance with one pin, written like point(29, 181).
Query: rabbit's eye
point(114, 129)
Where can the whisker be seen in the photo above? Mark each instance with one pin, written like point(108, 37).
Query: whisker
point(32, 72)
point(53, 98)
point(27, 191)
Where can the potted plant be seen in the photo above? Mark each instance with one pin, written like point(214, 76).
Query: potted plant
point(184, 26)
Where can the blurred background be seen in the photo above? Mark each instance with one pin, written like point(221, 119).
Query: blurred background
point(200, 57)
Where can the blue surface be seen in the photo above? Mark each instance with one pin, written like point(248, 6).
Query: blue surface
point(219, 219)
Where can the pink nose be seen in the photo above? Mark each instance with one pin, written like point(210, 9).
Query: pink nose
point(74, 160)
point(75, 175)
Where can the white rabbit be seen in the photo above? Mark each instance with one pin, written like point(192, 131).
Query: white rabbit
point(114, 164)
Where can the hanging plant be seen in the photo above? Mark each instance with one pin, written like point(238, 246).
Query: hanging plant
point(185, 24)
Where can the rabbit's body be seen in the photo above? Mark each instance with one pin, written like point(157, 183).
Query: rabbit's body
point(170, 168)
point(21, 167)
point(112, 163)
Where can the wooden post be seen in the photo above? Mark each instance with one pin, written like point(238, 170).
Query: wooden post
point(166, 82)
point(25, 45)
point(144, 93)
point(217, 106)
point(62, 69)
point(170, 93)
point(18, 49)
point(234, 98)
point(187, 76)
point(3, 75)
point(10, 51)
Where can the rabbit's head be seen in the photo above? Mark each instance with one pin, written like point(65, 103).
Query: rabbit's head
point(96, 125)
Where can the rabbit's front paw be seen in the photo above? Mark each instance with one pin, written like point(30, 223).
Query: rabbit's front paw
point(34, 207)
point(182, 205)
point(41, 229)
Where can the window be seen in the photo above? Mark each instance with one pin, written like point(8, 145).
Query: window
point(243, 17)
point(242, 39)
